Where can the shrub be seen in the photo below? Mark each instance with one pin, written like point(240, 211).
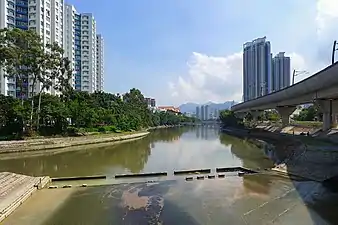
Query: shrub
point(102, 129)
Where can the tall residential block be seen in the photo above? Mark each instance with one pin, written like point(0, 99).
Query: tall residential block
point(257, 76)
point(72, 42)
point(206, 112)
point(56, 22)
point(43, 16)
point(86, 49)
point(88, 54)
point(99, 62)
point(197, 112)
point(202, 112)
point(281, 72)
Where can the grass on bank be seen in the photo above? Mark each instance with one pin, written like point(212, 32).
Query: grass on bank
point(73, 132)
point(316, 124)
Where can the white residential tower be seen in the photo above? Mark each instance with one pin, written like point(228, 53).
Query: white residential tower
point(99, 62)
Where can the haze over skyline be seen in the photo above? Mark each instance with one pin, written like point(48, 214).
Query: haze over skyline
point(191, 51)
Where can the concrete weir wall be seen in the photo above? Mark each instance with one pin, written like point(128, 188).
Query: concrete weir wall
point(15, 189)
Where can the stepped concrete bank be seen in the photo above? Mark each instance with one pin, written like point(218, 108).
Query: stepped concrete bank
point(294, 155)
point(64, 142)
point(15, 189)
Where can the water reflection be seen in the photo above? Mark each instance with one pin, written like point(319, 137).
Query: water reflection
point(253, 199)
point(162, 150)
point(250, 155)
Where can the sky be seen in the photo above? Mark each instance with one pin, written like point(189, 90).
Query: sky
point(191, 51)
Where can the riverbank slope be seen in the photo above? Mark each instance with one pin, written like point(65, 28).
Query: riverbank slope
point(293, 154)
point(64, 142)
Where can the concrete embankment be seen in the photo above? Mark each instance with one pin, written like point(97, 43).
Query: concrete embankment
point(15, 189)
point(33, 145)
point(292, 155)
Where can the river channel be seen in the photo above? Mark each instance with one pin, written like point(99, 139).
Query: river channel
point(252, 199)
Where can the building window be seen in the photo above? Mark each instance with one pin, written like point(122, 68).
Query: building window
point(32, 23)
point(10, 12)
point(10, 4)
point(10, 19)
point(32, 15)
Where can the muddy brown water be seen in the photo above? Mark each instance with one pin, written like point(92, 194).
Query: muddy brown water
point(251, 199)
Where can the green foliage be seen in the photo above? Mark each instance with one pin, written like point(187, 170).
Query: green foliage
point(80, 112)
point(309, 114)
point(271, 115)
point(28, 61)
point(228, 118)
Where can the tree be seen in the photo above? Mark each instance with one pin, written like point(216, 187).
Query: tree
point(28, 61)
point(309, 114)
point(228, 118)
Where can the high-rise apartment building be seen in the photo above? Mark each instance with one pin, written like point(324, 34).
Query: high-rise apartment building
point(88, 53)
point(99, 62)
point(81, 48)
point(206, 112)
point(72, 42)
point(202, 113)
point(44, 17)
point(57, 22)
point(257, 77)
point(197, 112)
point(281, 72)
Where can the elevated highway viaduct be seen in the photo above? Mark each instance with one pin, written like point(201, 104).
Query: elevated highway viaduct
point(321, 88)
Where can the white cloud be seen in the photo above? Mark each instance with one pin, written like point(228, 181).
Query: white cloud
point(297, 61)
point(219, 78)
point(327, 17)
point(210, 78)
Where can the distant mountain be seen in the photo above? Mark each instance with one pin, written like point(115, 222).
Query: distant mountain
point(191, 107)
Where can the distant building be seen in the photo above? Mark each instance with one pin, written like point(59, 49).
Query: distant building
point(169, 108)
point(151, 102)
point(206, 113)
point(198, 112)
point(202, 113)
point(216, 113)
point(281, 72)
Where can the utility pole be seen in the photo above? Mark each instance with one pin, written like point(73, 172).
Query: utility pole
point(333, 50)
point(296, 73)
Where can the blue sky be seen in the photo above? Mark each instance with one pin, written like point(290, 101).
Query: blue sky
point(190, 51)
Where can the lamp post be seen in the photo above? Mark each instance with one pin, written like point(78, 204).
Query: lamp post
point(297, 73)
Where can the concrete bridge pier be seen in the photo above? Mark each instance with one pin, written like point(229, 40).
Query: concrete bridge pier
point(240, 115)
point(285, 113)
point(255, 115)
point(334, 113)
point(325, 107)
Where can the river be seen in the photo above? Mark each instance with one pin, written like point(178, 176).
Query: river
point(252, 199)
